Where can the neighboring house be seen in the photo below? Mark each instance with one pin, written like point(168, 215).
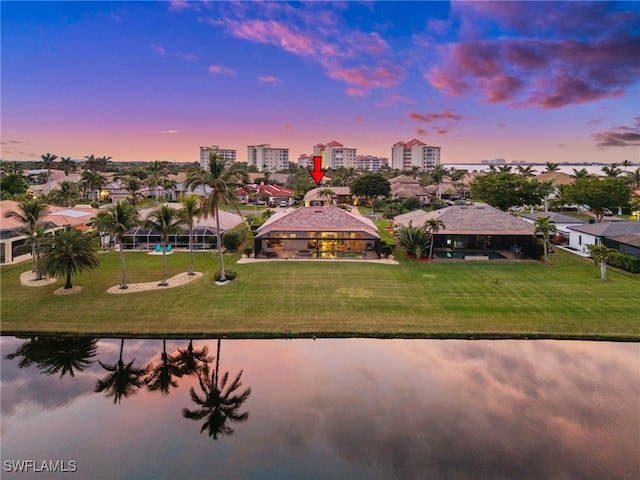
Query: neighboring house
point(477, 228)
point(404, 187)
point(628, 244)
point(13, 241)
point(318, 231)
point(341, 195)
point(204, 232)
point(563, 222)
point(273, 193)
point(601, 233)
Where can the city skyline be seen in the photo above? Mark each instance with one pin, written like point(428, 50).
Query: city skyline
point(144, 81)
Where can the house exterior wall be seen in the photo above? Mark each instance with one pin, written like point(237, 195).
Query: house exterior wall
point(579, 241)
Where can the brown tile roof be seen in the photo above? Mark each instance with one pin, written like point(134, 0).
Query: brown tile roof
point(307, 219)
point(470, 220)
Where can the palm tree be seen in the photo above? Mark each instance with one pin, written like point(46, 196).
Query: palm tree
point(66, 195)
point(437, 177)
point(103, 163)
point(545, 226)
point(30, 212)
point(190, 360)
point(220, 403)
point(161, 374)
point(117, 221)
point(625, 164)
point(433, 226)
point(133, 185)
point(68, 165)
point(600, 255)
point(611, 171)
point(91, 163)
point(582, 173)
point(157, 171)
point(527, 171)
point(48, 160)
point(223, 187)
point(92, 181)
point(326, 194)
point(190, 211)
point(551, 167)
point(66, 253)
point(124, 380)
point(166, 221)
point(634, 178)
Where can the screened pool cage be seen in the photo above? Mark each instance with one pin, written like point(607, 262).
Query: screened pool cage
point(204, 238)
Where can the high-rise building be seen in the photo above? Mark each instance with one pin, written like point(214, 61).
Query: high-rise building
point(335, 155)
point(264, 157)
point(371, 163)
point(405, 156)
point(224, 153)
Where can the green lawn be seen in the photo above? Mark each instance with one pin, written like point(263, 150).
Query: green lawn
point(491, 299)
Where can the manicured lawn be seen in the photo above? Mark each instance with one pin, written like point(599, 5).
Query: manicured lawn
point(563, 300)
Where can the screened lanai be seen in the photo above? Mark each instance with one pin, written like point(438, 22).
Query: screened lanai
point(204, 238)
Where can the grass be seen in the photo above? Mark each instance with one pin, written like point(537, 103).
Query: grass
point(282, 299)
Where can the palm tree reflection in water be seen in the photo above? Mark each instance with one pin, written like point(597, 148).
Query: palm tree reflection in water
point(124, 380)
point(220, 404)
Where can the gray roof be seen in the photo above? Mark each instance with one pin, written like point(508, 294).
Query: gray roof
point(632, 239)
point(470, 220)
point(554, 216)
point(608, 229)
point(310, 219)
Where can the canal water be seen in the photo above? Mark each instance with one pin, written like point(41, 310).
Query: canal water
point(325, 409)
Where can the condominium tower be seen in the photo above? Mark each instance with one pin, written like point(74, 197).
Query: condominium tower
point(224, 153)
point(405, 156)
point(335, 155)
point(263, 157)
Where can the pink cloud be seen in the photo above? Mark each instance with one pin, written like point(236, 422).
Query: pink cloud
point(274, 33)
point(421, 132)
point(269, 79)
point(386, 75)
point(356, 92)
point(619, 136)
point(220, 70)
point(430, 117)
point(160, 50)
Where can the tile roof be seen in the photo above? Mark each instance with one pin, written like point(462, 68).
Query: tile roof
point(58, 216)
point(607, 229)
point(470, 220)
point(307, 219)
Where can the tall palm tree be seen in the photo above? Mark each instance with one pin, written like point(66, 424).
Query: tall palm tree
point(66, 253)
point(48, 160)
point(625, 164)
point(133, 185)
point(433, 226)
point(611, 171)
point(220, 403)
point(190, 211)
point(162, 374)
point(223, 187)
point(527, 171)
point(103, 163)
point(166, 221)
point(157, 171)
point(600, 255)
point(191, 360)
point(551, 167)
point(582, 173)
point(91, 163)
point(326, 194)
point(124, 379)
point(68, 165)
point(66, 195)
point(438, 173)
point(634, 178)
point(92, 181)
point(545, 226)
point(117, 221)
point(31, 211)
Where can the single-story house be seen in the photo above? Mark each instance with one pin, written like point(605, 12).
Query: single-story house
point(563, 222)
point(205, 233)
point(405, 186)
point(601, 234)
point(13, 240)
point(479, 229)
point(340, 195)
point(320, 232)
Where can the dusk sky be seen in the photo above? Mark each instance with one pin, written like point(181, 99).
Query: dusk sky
point(528, 81)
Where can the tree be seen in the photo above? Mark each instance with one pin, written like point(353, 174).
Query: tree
point(600, 255)
point(92, 181)
point(117, 221)
point(599, 194)
point(326, 194)
point(415, 240)
point(66, 195)
point(66, 253)
point(370, 185)
point(223, 186)
point(68, 165)
point(505, 189)
point(48, 160)
point(634, 178)
point(166, 221)
point(133, 185)
point(124, 379)
point(13, 184)
point(527, 171)
point(438, 174)
point(625, 164)
point(551, 167)
point(191, 360)
point(91, 163)
point(582, 173)
point(611, 171)
point(433, 226)
point(545, 226)
point(190, 211)
point(161, 374)
point(31, 211)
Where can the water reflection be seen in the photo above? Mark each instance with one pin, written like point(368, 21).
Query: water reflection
point(325, 409)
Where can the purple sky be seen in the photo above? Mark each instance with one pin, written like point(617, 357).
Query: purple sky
point(532, 81)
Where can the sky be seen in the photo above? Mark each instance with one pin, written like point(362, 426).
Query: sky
point(144, 81)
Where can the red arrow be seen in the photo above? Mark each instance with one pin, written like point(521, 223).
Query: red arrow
point(317, 173)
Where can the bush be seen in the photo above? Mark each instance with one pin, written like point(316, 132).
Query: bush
point(248, 251)
point(386, 250)
point(437, 204)
point(231, 240)
point(229, 275)
point(624, 262)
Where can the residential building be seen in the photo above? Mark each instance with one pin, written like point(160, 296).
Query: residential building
point(305, 161)
point(264, 157)
point(404, 187)
point(335, 155)
point(224, 153)
point(405, 156)
point(371, 163)
point(340, 195)
point(619, 235)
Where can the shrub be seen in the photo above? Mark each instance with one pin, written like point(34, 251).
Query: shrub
point(386, 250)
point(231, 240)
point(414, 240)
point(229, 275)
point(437, 204)
point(247, 251)
point(624, 262)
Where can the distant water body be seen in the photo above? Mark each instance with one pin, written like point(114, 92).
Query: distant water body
point(480, 167)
